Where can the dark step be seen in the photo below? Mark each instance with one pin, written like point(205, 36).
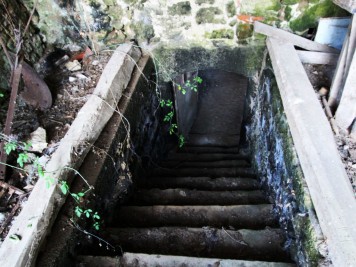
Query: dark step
point(98, 261)
point(204, 157)
point(201, 183)
point(183, 196)
point(223, 140)
point(209, 172)
point(237, 216)
point(145, 260)
point(205, 149)
point(266, 245)
point(211, 164)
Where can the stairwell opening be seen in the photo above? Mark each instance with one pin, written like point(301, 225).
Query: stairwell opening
point(244, 125)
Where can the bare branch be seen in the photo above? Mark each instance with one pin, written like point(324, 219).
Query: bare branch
point(6, 52)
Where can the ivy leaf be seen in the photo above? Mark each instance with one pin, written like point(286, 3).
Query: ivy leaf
point(22, 158)
point(78, 211)
point(64, 188)
point(96, 225)
point(96, 216)
point(162, 103)
point(11, 146)
point(88, 212)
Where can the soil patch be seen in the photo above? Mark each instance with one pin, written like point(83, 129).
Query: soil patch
point(321, 76)
point(70, 88)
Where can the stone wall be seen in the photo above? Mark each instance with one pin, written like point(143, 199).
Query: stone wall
point(103, 24)
point(276, 161)
point(14, 17)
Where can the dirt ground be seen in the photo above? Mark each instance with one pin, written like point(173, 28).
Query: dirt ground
point(70, 88)
point(321, 76)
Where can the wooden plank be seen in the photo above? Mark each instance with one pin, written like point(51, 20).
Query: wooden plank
point(343, 66)
point(292, 38)
point(346, 112)
point(312, 57)
point(323, 170)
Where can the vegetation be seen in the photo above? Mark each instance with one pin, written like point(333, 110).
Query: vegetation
point(167, 103)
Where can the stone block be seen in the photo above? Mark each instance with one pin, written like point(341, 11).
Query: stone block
point(209, 15)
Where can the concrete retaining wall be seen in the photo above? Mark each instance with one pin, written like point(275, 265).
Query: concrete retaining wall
point(276, 161)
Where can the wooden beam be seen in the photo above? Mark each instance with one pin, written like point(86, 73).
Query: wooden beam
point(322, 58)
point(328, 183)
point(343, 65)
point(346, 112)
point(292, 38)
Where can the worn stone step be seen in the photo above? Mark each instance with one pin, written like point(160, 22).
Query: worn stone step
point(205, 149)
point(200, 183)
point(265, 245)
point(183, 196)
point(204, 156)
point(100, 261)
point(211, 164)
point(145, 260)
point(237, 216)
point(209, 172)
point(213, 139)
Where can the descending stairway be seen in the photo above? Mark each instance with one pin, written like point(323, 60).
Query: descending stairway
point(203, 207)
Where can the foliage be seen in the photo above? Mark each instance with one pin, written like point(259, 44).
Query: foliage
point(168, 117)
point(23, 158)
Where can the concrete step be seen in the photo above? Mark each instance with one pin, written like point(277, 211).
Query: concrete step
point(213, 139)
point(237, 216)
point(205, 149)
point(204, 157)
point(145, 260)
point(265, 245)
point(183, 196)
point(208, 172)
point(201, 183)
point(99, 261)
point(211, 164)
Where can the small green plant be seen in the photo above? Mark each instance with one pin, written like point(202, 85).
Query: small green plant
point(12, 145)
point(168, 118)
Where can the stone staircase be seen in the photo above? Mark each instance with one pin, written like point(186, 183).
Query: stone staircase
point(202, 207)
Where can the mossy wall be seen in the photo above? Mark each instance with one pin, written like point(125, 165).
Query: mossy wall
point(277, 164)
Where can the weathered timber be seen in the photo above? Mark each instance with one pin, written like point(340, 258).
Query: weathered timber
point(212, 164)
point(343, 66)
point(291, 38)
point(237, 216)
point(264, 244)
point(323, 170)
point(346, 112)
point(182, 196)
point(209, 172)
point(202, 183)
point(144, 260)
point(320, 58)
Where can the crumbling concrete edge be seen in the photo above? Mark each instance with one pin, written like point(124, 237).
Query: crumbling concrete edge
point(39, 212)
point(323, 170)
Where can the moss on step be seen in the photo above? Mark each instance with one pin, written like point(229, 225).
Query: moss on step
point(180, 8)
point(244, 31)
point(220, 34)
point(309, 17)
point(231, 9)
point(209, 15)
point(199, 2)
